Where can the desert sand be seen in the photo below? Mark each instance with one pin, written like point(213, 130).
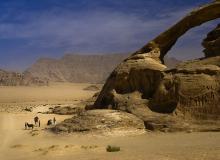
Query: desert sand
point(40, 143)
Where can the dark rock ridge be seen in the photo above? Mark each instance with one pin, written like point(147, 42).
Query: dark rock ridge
point(142, 85)
point(81, 68)
point(212, 43)
point(20, 79)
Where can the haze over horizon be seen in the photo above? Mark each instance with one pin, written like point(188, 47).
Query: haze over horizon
point(50, 28)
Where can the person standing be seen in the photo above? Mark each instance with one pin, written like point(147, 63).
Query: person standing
point(54, 120)
point(36, 119)
point(25, 125)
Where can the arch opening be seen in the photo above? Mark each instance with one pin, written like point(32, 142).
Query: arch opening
point(189, 46)
point(158, 47)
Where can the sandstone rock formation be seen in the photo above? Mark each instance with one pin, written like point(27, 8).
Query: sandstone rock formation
point(9, 78)
point(102, 121)
point(142, 85)
point(193, 88)
point(66, 110)
point(81, 68)
point(18, 79)
point(212, 43)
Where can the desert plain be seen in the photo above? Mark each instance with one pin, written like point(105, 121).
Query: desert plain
point(40, 143)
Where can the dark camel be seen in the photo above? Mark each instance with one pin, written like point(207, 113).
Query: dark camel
point(27, 126)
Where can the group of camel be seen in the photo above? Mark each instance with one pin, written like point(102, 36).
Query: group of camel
point(37, 121)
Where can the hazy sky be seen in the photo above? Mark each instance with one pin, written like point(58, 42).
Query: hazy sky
point(30, 29)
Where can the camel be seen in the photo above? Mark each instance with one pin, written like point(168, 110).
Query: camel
point(27, 126)
point(54, 120)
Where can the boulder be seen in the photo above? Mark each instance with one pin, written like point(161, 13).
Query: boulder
point(66, 110)
point(101, 121)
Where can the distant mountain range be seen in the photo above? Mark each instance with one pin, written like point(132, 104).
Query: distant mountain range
point(70, 68)
point(81, 68)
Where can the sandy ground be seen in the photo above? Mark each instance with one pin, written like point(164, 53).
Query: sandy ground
point(54, 93)
point(14, 99)
point(39, 144)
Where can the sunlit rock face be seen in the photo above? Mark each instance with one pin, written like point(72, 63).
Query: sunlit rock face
point(191, 89)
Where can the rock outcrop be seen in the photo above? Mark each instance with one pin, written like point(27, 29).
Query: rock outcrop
point(192, 88)
point(142, 85)
point(20, 79)
point(212, 43)
point(158, 47)
point(102, 121)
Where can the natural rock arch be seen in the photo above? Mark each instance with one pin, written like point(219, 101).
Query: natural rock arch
point(141, 80)
point(158, 47)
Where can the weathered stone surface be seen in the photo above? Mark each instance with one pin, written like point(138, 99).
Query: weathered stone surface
point(192, 88)
point(142, 85)
point(143, 70)
point(67, 110)
point(158, 47)
point(158, 99)
point(103, 121)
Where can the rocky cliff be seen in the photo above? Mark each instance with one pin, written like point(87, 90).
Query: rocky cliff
point(20, 79)
point(142, 85)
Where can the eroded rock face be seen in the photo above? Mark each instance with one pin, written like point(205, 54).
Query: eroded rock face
point(141, 84)
point(212, 43)
point(138, 73)
point(102, 121)
point(193, 88)
point(20, 79)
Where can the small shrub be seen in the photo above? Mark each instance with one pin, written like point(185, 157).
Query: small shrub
point(112, 148)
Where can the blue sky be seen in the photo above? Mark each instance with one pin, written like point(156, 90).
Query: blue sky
point(30, 29)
